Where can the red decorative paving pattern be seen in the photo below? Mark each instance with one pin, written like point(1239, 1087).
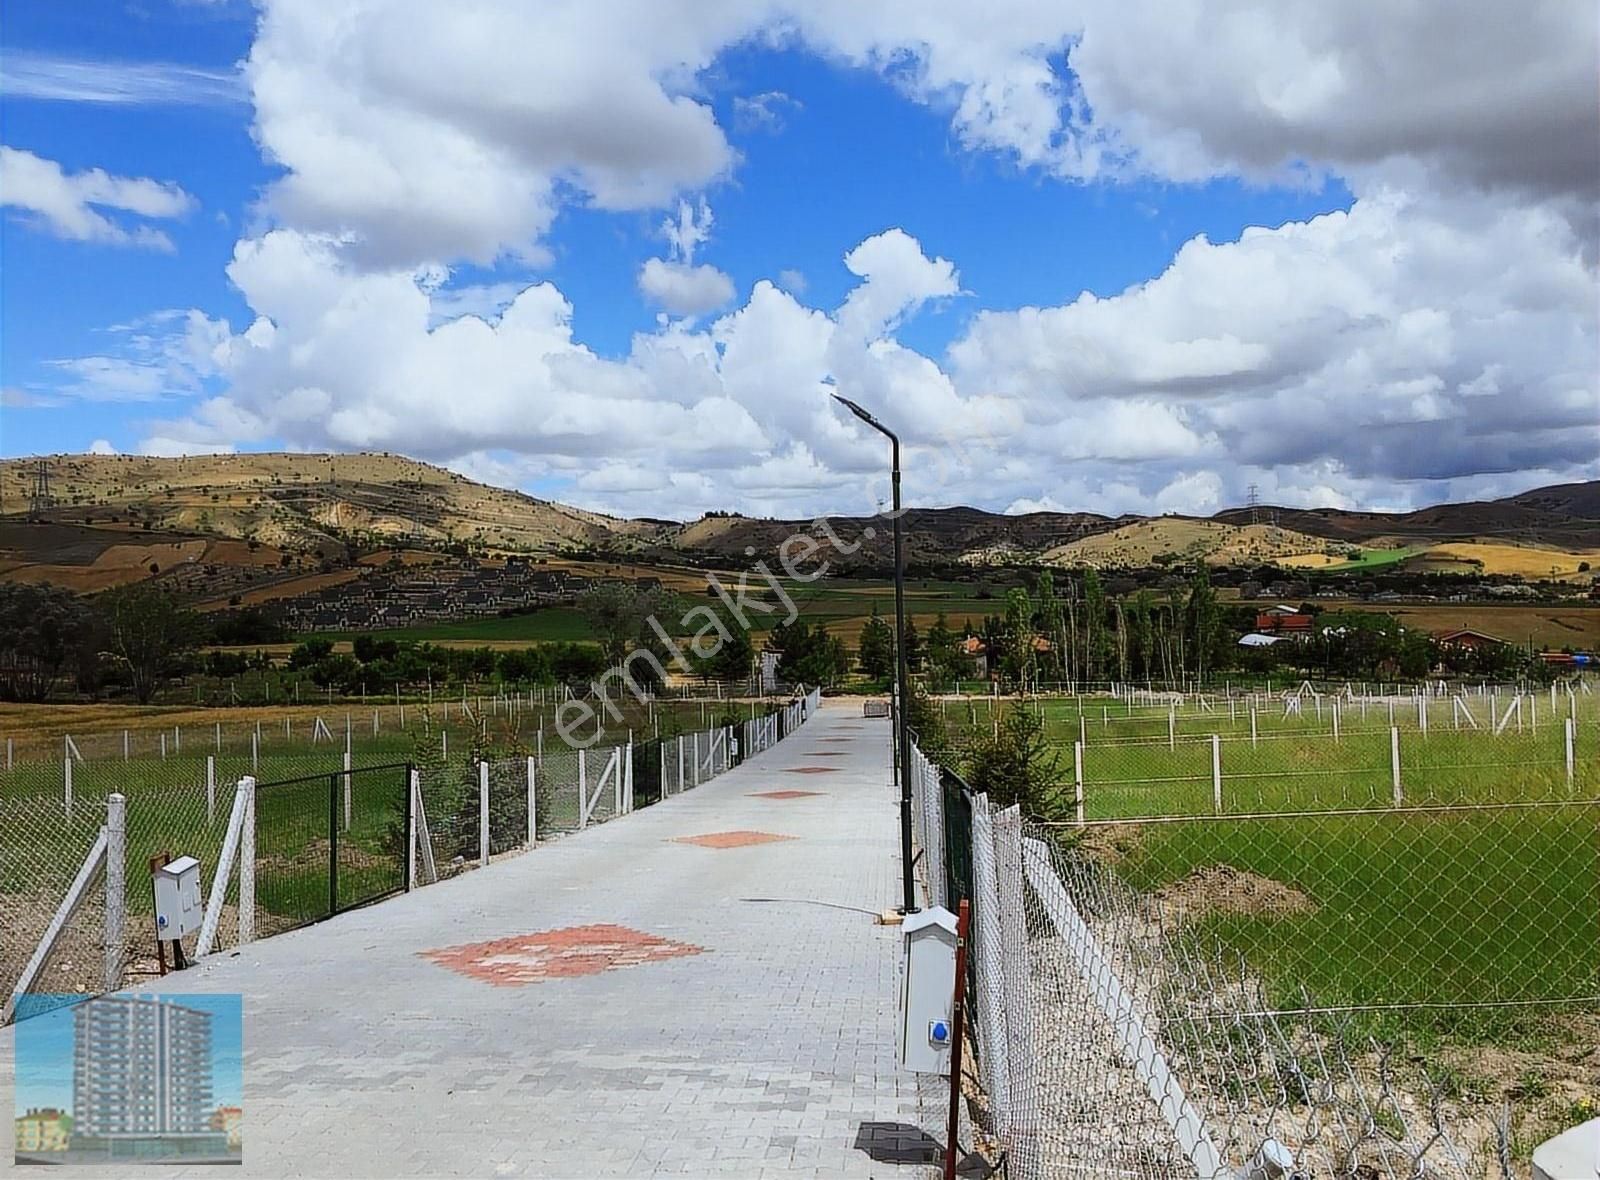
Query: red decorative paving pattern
point(826, 754)
point(731, 839)
point(783, 794)
point(811, 770)
point(557, 954)
point(836, 739)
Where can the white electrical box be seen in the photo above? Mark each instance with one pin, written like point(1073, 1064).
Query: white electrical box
point(179, 910)
point(927, 990)
point(1572, 1155)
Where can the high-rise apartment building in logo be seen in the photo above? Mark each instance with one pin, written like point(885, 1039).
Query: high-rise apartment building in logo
point(141, 1078)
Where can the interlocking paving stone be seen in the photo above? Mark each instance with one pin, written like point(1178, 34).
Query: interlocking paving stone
point(785, 794)
point(811, 770)
point(364, 1059)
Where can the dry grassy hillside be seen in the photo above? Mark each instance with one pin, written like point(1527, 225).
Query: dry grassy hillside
point(301, 502)
point(1144, 541)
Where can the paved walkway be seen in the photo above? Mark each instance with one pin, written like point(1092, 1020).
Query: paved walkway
point(754, 1039)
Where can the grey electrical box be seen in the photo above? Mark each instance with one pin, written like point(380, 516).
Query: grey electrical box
point(927, 990)
point(179, 910)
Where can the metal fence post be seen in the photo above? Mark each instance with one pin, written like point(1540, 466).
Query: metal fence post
point(333, 844)
point(483, 812)
point(116, 885)
point(247, 863)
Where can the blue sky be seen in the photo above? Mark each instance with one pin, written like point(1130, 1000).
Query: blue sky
point(43, 1049)
point(984, 172)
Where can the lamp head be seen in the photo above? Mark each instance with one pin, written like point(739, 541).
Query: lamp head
point(856, 409)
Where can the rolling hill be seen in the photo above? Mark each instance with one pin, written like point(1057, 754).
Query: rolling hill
point(116, 518)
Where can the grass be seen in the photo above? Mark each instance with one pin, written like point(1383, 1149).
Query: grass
point(1483, 887)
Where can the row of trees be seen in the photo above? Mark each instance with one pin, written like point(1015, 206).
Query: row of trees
point(134, 636)
point(1075, 631)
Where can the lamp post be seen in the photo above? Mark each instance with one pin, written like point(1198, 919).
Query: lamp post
point(902, 735)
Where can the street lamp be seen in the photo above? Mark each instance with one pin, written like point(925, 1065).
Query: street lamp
point(902, 735)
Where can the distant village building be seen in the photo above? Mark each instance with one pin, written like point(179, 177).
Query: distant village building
point(976, 653)
point(1283, 620)
point(1466, 639)
point(1257, 639)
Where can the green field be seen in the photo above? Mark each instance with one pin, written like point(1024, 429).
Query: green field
point(1481, 887)
point(1373, 559)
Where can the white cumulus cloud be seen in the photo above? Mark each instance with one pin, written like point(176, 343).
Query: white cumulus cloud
point(74, 205)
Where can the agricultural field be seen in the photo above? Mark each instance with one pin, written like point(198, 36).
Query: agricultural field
point(1455, 911)
point(843, 605)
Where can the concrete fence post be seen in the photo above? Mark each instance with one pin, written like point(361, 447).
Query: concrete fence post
point(66, 784)
point(1571, 764)
point(116, 885)
point(1015, 973)
point(1394, 762)
point(1172, 728)
point(247, 863)
point(211, 789)
point(617, 790)
point(533, 812)
point(990, 948)
point(483, 812)
point(583, 789)
point(1216, 772)
point(347, 788)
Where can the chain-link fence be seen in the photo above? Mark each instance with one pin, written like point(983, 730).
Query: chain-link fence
point(319, 827)
point(1371, 951)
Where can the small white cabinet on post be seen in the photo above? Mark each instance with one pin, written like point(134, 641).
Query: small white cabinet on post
point(927, 990)
point(179, 910)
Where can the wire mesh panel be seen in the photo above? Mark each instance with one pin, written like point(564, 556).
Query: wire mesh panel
point(41, 851)
point(557, 793)
point(1363, 947)
point(370, 832)
point(327, 843)
point(508, 804)
point(292, 849)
